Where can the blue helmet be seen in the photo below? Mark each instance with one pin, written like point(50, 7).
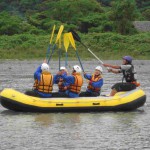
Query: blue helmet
point(128, 59)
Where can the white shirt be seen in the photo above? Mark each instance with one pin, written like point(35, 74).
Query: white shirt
point(127, 67)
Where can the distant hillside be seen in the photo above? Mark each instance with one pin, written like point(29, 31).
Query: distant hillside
point(38, 16)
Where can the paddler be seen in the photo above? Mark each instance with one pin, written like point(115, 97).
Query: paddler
point(43, 84)
point(95, 83)
point(61, 84)
point(73, 82)
point(129, 75)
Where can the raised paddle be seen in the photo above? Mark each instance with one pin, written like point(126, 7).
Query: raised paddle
point(59, 47)
point(77, 38)
point(57, 38)
point(66, 45)
point(71, 39)
point(49, 46)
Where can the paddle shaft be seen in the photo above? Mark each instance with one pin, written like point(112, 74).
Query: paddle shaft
point(66, 61)
point(48, 51)
point(59, 57)
point(51, 53)
point(49, 46)
point(79, 60)
point(91, 52)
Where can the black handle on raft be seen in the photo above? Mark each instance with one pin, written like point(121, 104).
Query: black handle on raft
point(59, 104)
point(96, 103)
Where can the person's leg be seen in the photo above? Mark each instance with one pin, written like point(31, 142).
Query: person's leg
point(85, 94)
point(115, 88)
point(59, 94)
point(127, 87)
point(82, 94)
point(118, 87)
point(95, 94)
point(32, 93)
point(55, 94)
point(113, 92)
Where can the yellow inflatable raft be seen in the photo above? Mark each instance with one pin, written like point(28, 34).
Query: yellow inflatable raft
point(123, 101)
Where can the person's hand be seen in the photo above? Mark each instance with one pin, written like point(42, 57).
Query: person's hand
point(109, 70)
point(60, 79)
point(90, 82)
point(59, 73)
point(45, 61)
point(84, 73)
point(105, 65)
point(65, 88)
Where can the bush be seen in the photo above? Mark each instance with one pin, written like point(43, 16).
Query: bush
point(146, 14)
point(9, 24)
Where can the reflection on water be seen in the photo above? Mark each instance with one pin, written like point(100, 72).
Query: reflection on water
point(72, 131)
point(44, 119)
point(50, 118)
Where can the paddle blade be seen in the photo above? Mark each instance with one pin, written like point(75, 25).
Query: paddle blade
point(75, 35)
point(52, 34)
point(59, 33)
point(71, 39)
point(66, 41)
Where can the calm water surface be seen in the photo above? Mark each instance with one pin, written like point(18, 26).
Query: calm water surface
point(73, 131)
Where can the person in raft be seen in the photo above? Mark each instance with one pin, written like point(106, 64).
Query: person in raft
point(61, 84)
point(43, 84)
point(73, 82)
point(129, 74)
point(95, 83)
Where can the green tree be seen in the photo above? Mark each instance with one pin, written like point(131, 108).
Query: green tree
point(146, 14)
point(69, 12)
point(105, 2)
point(9, 24)
point(123, 14)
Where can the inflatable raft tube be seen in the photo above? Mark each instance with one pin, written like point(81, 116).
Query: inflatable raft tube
point(122, 101)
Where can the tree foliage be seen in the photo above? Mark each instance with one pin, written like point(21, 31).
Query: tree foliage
point(38, 16)
point(123, 14)
point(9, 24)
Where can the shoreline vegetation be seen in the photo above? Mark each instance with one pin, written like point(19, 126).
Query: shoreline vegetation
point(105, 45)
point(110, 28)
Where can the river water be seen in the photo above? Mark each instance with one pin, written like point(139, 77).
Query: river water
point(73, 131)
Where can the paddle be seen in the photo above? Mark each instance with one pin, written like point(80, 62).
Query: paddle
point(77, 38)
point(59, 51)
point(66, 45)
point(71, 39)
point(49, 46)
point(57, 38)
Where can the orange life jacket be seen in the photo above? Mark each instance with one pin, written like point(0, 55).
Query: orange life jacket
point(60, 85)
point(94, 79)
point(45, 84)
point(76, 87)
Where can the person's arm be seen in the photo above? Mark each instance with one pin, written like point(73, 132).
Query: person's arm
point(114, 70)
point(37, 73)
point(68, 80)
point(119, 70)
point(97, 84)
point(56, 79)
point(87, 76)
point(112, 66)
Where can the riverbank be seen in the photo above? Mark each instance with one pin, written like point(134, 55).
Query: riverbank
point(104, 45)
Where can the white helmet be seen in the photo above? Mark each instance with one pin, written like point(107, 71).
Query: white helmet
point(62, 68)
point(99, 68)
point(45, 67)
point(77, 69)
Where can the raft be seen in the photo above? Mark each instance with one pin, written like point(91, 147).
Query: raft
point(122, 101)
